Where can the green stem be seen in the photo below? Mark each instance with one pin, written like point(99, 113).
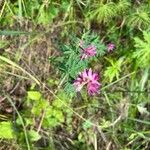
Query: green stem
point(21, 120)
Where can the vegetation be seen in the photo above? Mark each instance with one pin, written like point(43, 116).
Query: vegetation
point(74, 74)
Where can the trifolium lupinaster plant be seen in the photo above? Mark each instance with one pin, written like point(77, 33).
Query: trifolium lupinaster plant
point(75, 63)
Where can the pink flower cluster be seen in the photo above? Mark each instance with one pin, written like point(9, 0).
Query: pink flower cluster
point(90, 80)
point(88, 51)
point(110, 47)
point(87, 78)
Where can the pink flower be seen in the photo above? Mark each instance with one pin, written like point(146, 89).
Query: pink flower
point(90, 80)
point(88, 51)
point(110, 47)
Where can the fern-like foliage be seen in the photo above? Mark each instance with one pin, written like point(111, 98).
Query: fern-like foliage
point(142, 53)
point(103, 12)
point(140, 18)
point(122, 6)
point(70, 63)
point(114, 70)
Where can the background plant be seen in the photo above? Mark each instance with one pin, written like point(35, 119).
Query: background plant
point(40, 58)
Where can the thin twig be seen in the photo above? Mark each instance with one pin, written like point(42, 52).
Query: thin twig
point(109, 146)
point(102, 135)
point(41, 121)
point(16, 86)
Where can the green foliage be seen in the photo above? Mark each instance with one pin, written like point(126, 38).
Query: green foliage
point(122, 6)
point(114, 70)
point(55, 113)
point(140, 18)
point(47, 14)
point(34, 95)
point(103, 12)
point(38, 102)
point(37, 11)
point(87, 125)
point(33, 135)
point(70, 62)
point(52, 115)
point(3, 44)
point(142, 53)
point(6, 130)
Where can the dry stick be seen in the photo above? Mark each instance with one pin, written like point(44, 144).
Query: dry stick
point(95, 142)
point(103, 135)
point(16, 86)
point(19, 76)
point(6, 60)
point(108, 146)
point(1, 100)
point(41, 121)
point(116, 121)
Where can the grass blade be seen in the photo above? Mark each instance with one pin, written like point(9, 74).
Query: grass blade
point(7, 32)
point(6, 60)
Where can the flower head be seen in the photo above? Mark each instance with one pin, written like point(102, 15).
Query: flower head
point(88, 51)
point(110, 47)
point(90, 80)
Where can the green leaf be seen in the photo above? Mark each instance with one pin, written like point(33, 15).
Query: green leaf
point(81, 137)
point(50, 122)
point(49, 112)
point(34, 136)
point(114, 70)
point(36, 110)
point(46, 15)
point(58, 115)
point(104, 123)
point(34, 95)
point(140, 121)
point(39, 106)
point(142, 53)
point(57, 104)
point(6, 130)
point(87, 124)
point(132, 136)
